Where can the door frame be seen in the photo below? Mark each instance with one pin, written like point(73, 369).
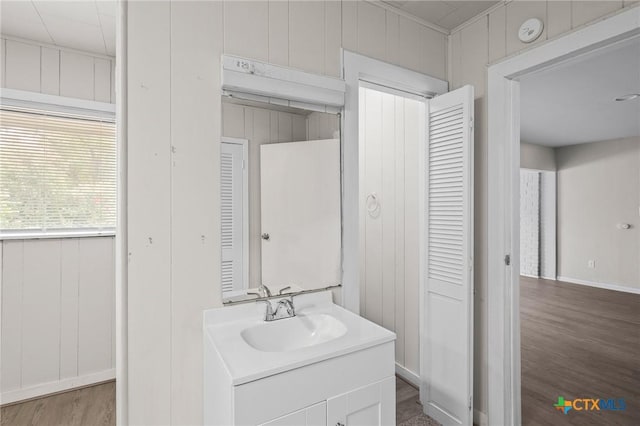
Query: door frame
point(245, 204)
point(504, 402)
point(358, 68)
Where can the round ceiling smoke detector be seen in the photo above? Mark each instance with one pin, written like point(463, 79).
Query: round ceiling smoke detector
point(530, 30)
point(628, 97)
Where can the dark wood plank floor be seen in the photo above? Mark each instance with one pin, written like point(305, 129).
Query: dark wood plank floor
point(578, 342)
point(90, 406)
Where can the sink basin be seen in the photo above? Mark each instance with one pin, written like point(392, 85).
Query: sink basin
point(293, 333)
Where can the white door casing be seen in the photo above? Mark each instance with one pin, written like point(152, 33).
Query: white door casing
point(300, 212)
point(234, 196)
point(447, 250)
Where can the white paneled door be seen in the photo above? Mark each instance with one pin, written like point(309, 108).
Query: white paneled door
point(447, 343)
point(234, 197)
point(300, 204)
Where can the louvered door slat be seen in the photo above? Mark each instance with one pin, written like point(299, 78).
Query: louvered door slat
point(448, 284)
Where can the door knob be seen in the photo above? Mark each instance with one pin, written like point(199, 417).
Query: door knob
point(265, 236)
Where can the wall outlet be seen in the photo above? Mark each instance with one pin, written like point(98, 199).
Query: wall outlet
point(591, 264)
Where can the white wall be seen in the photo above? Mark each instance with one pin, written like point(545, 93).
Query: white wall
point(481, 41)
point(537, 157)
point(25, 65)
point(529, 223)
point(599, 188)
point(173, 103)
point(389, 288)
point(57, 315)
point(59, 333)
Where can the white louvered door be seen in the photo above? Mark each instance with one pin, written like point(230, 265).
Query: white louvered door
point(447, 343)
point(233, 212)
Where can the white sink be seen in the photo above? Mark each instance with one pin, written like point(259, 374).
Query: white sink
point(293, 333)
point(251, 349)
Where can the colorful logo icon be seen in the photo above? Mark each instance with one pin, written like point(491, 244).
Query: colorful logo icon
point(563, 405)
point(589, 404)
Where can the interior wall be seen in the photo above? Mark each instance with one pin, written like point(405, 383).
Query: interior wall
point(26, 65)
point(57, 315)
point(599, 188)
point(173, 102)
point(483, 40)
point(390, 267)
point(57, 295)
point(537, 157)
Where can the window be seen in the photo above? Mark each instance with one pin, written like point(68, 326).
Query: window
point(57, 172)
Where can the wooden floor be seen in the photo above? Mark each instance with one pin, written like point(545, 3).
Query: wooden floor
point(95, 405)
point(90, 406)
point(578, 342)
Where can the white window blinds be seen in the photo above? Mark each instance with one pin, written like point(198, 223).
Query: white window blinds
point(57, 172)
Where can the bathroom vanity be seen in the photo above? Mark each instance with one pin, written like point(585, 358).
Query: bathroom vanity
point(324, 366)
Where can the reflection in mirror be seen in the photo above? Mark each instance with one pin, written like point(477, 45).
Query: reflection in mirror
point(280, 200)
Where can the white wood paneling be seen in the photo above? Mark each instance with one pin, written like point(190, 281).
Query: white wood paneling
point(102, 80)
point(3, 62)
point(497, 42)
point(332, 38)
point(518, 12)
point(41, 286)
point(149, 211)
point(55, 317)
point(195, 123)
point(559, 17)
point(390, 263)
point(278, 32)
point(246, 29)
point(371, 37)
point(12, 279)
point(22, 66)
point(306, 35)
point(587, 11)
point(56, 71)
point(76, 75)
point(95, 292)
point(50, 72)
point(69, 302)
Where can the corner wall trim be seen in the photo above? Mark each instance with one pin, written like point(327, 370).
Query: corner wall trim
point(43, 389)
point(607, 286)
point(480, 418)
point(408, 375)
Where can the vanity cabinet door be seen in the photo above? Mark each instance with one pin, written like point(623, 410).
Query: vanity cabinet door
point(316, 415)
point(372, 405)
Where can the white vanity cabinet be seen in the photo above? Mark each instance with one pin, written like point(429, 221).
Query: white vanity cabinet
point(347, 380)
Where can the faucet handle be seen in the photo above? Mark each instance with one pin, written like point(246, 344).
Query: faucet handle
point(263, 288)
point(282, 290)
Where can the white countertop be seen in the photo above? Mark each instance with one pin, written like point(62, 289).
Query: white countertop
point(244, 364)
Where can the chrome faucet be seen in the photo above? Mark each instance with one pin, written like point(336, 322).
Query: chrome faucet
point(263, 291)
point(276, 314)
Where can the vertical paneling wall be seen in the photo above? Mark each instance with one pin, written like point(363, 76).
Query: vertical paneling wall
point(57, 314)
point(173, 165)
point(483, 40)
point(28, 66)
point(389, 291)
point(57, 295)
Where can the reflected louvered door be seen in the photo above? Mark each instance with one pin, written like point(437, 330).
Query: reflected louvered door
point(447, 350)
point(231, 201)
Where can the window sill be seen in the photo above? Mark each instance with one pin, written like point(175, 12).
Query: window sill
point(39, 235)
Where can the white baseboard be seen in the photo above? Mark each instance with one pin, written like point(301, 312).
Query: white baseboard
point(480, 418)
point(16, 395)
point(408, 375)
point(529, 276)
point(607, 286)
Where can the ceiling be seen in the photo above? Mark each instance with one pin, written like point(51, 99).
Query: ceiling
point(84, 25)
point(446, 14)
point(573, 102)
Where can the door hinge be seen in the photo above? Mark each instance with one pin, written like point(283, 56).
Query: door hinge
point(470, 402)
point(507, 259)
point(471, 123)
